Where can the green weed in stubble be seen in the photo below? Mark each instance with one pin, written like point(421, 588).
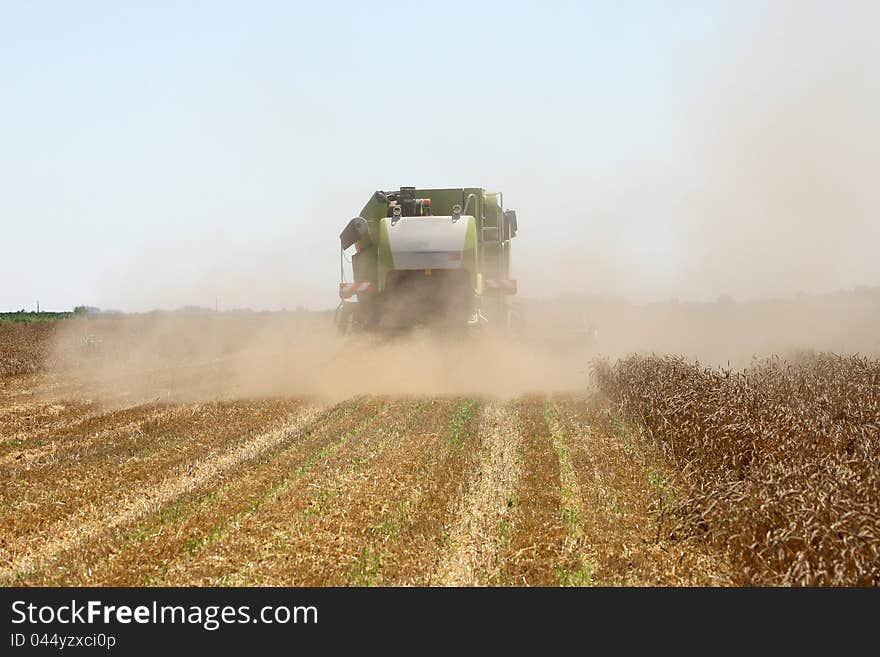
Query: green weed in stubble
point(366, 569)
point(582, 576)
point(457, 431)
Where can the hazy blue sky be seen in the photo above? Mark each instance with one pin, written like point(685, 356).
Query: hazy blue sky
point(170, 154)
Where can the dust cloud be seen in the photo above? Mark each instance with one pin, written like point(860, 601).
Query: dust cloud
point(754, 233)
point(788, 147)
point(759, 181)
point(205, 356)
point(200, 355)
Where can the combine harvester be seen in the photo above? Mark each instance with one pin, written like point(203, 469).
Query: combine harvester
point(428, 257)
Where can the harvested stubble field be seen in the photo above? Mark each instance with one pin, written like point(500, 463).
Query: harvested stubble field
point(122, 484)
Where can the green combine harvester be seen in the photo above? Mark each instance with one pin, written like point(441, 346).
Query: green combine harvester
point(428, 257)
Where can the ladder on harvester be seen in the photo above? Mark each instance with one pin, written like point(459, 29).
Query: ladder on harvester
point(493, 261)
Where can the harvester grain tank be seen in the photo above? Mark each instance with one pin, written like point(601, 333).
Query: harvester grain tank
point(436, 257)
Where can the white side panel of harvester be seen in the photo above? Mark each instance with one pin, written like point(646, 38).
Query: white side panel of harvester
point(427, 242)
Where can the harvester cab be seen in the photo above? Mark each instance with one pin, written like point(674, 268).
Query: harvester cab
point(435, 257)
